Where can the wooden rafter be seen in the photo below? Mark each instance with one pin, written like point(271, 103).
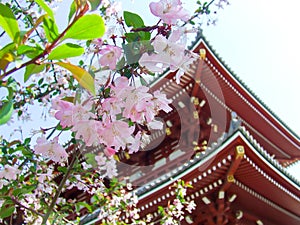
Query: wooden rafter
point(239, 154)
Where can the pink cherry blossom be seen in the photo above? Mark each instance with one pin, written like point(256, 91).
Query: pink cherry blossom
point(69, 114)
point(114, 8)
point(109, 151)
point(191, 206)
point(161, 102)
point(111, 168)
point(100, 159)
point(120, 88)
point(146, 111)
point(64, 113)
point(156, 125)
point(110, 55)
point(9, 172)
point(116, 134)
point(134, 143)
point(137, 103)
point(86, 131)
point(112, 106)
point(50, 149)
point(82, 112)
point(169, 11)
point(168, 53)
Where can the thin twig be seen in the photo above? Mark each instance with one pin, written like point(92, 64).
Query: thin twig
point(25, 207)
point(62, 183)
point(47, 49)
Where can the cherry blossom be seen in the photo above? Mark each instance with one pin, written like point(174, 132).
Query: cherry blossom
point(155, 125)
point(109, 151)
point(169, 11)
point(116, 118)
point(191, 206)
point(110, 55)
point(50, 149)
point(3, 183)
point(114, 8)
point(69, 114)
point(9, 172)
point(160, 101)
point(100, 159)
point(64, 113)
point(137, 104)
point(168, 53)
point(116, 134)
point(111, 168)
point(134, 144)
point(86, 131)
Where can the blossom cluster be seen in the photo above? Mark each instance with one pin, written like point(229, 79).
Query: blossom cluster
point(168, 53)
point(111, 123)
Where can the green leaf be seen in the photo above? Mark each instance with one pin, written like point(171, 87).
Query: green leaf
point(24, 190)
point(23, 49)
point(29, 51)
point(9, 23)
point(7, 108)
point(66, 51)
point(90, 159)
point(133, 20)
point(6, 55)
point(86, 28)
point(134, 50)
point(138, 36)
point(6, 211)
point(85, 205)
point(50, 28)
point(27, 153)
point(143, 81)
point(33, 69)
point(6, 59)
point(62, 169)
point(83, 77)
point(145, 36)
point(46, 8)
point(94, 4)
point(72, 11)
point(121, 63)
point(7, 48)
point(69, 99)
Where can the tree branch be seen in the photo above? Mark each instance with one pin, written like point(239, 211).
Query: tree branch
point(48, 48)
point(25, 207)
point(62, 183)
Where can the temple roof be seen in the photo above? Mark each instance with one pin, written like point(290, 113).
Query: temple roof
point(262, 186)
